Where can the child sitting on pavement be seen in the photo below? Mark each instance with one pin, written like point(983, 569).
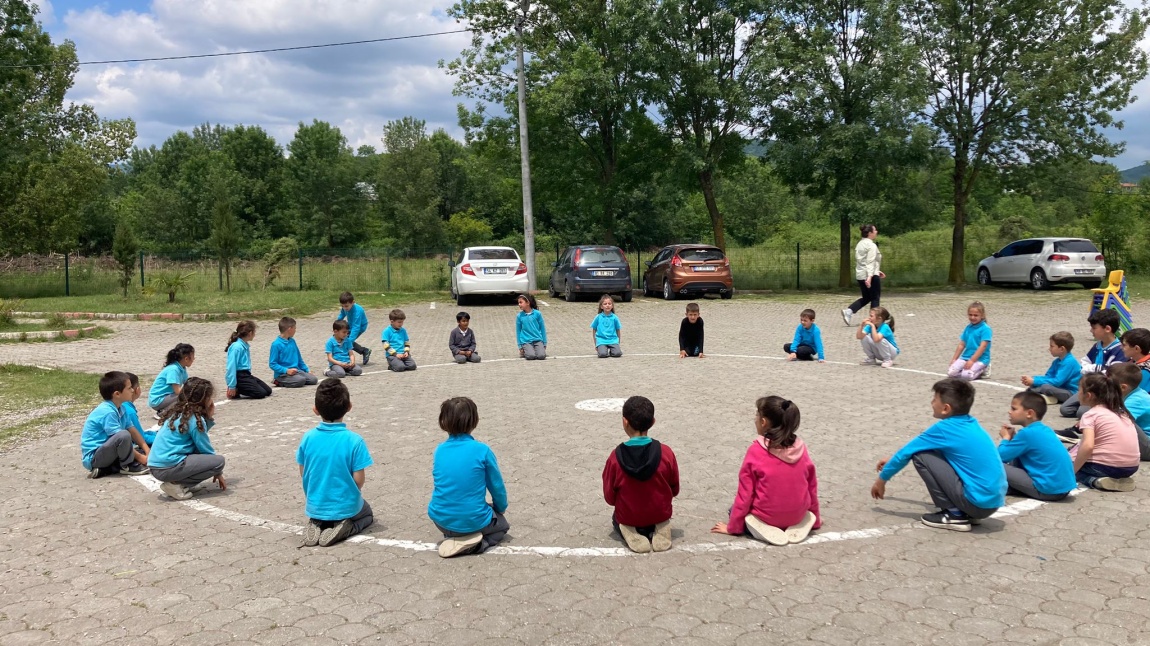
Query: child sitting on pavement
point(105, 445)
point(1137, 402)
point(1061, 380)
point(1107, 455)
point(691, 333)
point(461, 341)
point(640, 479)
point(1136, 347)
point(1036, 463)
point(285, 360)
point(182, 455)
point(340, 360)
point(396, 344)
point(130, 418)
point(808, 341)
point(1106, 351)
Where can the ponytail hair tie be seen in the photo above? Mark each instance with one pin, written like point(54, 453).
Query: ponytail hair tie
point(786, 404)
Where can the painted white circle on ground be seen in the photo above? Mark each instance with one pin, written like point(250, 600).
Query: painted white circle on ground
point(609, 405)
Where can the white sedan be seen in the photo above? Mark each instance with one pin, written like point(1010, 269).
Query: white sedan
point(487, 270)
point(1042, 262)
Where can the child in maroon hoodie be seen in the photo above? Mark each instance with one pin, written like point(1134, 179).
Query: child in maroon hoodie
point(639, 480)
point(778, 497)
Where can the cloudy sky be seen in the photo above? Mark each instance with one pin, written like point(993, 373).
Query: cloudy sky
point(356, 88)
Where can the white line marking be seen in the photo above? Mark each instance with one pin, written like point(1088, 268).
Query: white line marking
point(433, 305)
point(543, 303)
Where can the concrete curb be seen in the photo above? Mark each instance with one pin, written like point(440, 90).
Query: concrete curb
point(155, 316)
point(47, 334)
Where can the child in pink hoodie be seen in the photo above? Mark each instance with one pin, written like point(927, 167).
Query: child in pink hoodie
point(777, 501)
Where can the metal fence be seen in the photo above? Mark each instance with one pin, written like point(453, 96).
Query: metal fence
point(772, 267)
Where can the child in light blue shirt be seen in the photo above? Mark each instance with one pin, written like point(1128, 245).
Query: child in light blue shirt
point(182, 455)
point(285, 360)
point(1128, 376)
point(396, 344)
point(166, 387)
point(808, 341)
point(238, 371)
point(130, 420)
point(876, 333)
point(971, 358)
point(1037, 464)
point(530, 332)
point(356, 319)
point(1061, 380)
point(332, 461)
point(340, 360)
point(606, 329)
point(105, 445)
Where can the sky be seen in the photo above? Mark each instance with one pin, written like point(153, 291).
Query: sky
point(357, 88)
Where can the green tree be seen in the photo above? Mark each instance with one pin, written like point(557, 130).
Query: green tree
point(408, 185)
point(226, 238)
point(125, 250)
point(1023, 80)
point(321, 180)
point(1116, 221)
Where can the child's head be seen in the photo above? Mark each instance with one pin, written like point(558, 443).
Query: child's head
point(332, 400)
point(287, 327)
point(340, 330)
point(397, 317)
point(136, 390)
point(346, 300)
point(458, 416)
point(807, 318)
point(463, 319)
point(1098, 389)
point(777, 420)
point(606, 304)
point(526, 302)
point(244, 330)
point(1126, 375)
point(952, 397)
point(1026, 408)
point(114, 386)
point(976, 312)
point(183, 354)
point(881, 315)
point(692, 312)
point(194, 402)
point(1061, 343)
point(1136, 343)
point(1103, 325)
point(638, 415)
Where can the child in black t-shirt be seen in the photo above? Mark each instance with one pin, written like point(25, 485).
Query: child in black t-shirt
point(691, 333)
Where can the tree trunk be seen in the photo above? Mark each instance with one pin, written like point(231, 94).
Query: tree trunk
point(846, 262)
point(957, 273)
point(171, 296)
point(707, 182)
point(607, 181)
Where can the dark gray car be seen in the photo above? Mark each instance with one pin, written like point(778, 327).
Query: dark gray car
point(591, 269)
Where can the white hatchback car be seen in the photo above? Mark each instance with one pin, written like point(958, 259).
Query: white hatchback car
point(487, 271)
point(1045, 261)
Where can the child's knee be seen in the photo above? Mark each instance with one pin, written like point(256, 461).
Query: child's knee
point(459, 358)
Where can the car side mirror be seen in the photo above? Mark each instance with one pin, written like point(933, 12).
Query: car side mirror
point(997, 254)
point(649, 263)
point(555, 264)
point(451, 264)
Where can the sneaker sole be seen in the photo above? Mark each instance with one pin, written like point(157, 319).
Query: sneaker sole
point(178, 494)
point(661, 541)
point(764, 532)
point(1114, 484)
point(455, 546)
point(335, 534)
point(311, 535)
point(635, 541)
point(954, 527)
point(798, 533)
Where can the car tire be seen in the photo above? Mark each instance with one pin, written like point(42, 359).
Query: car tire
point(1092, 284)
point(551, 289)
point(644, 289)
point(626, 297)
point(668, 294)
point(984, 277)
point(727, 294)
point(1038, 280)
point(460, 300)
point(568, 295)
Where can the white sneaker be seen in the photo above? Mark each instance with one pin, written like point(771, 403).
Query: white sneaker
point(985, 373)
point(462, 545)
point(1051, 400)
point(661, 540)
point(764, 532)
point(847, 314)
point(175, 491)
point(887, 364)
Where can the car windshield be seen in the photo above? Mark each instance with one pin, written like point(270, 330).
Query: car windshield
point(1075, 246)
point(492, 254)
point(601, 255)
point(700, 255)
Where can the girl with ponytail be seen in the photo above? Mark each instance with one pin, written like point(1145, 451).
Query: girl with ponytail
point(1107, 455)
point(238, 372)
point(777, 500)
point(166, 388)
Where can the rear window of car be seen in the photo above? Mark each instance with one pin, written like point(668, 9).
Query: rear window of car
point(603, 254)
point(492, 254)
point(701, 255)
point(1075, 246)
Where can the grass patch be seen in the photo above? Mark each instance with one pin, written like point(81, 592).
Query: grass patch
point(300, 303)
point(99, 333)
point(31, 399)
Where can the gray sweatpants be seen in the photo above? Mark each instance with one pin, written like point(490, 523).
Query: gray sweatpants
point(395, 364)
point(167, 401)
point(298, 380)
point(339, 372)
point(495, 531)
point(461, 358)
point(609, 350)
point(534, 350)
point(359, 522)
point(115, 452)
point(944, 485)
point(1020, 483)
point(1061, 394)
point(1072, 407)
point(1143, 445)
point(881, 351)
point(195, 468)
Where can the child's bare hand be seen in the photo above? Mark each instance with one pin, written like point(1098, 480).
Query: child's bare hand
point(220, 481)
point(1028, 381)
point(520, 352)
point(822, 360)
point(720, 528)
point(792, 356)
point(682, 354)
point(702, 356)
point(231, 393)
point(879, 467)
point(878, 489)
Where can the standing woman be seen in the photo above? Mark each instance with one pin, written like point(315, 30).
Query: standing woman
point(867, 273)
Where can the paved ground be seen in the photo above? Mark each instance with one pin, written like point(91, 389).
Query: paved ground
point(87, 562)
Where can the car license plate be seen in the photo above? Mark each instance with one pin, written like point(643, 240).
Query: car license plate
point(602, 273)
point(705, 268)
point(495, 270)
point(1083, 272)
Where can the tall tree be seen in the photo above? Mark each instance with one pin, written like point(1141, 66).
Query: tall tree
point(1017, 81)
point(322, 182)
point(408, 185)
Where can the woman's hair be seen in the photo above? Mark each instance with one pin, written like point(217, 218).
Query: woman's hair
point(604, 298)
point(179, 353)
point(243, 329)
point(458, 415)
point(1105, 392)
point(193, 402)
point(884, 314)
point(783, 417)
point(866, 229)
point(977, 305)
point(530, 298)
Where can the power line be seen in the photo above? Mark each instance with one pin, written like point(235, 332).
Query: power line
point(245, 52)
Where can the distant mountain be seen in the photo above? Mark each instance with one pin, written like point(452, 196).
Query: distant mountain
point(1133, 175)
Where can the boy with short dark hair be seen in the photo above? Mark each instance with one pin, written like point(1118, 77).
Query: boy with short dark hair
point(105, 445)
point(340, 361)
point(1137, 402)
point(356, 321)
point(1061, 379)
point(461, 341)
point(285, 360)
point(955, 458)
point(640, 479)
point(331, 462)
point(691, 333)
point(396, 344)
point(130, 419)
point(464, 471)
point(1037, 464)
point(1105, 352)
point(1136, 347)
point(808, 341)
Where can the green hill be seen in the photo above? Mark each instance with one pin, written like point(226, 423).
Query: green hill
point(1133, 175)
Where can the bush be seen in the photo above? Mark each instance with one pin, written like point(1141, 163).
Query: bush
point(282, 252)
point(8, 309)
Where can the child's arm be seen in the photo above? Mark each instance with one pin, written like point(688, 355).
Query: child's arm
point(977, 354)
point(683, 339)
point(701, 355)
point(495, 482)
point(813, 490)
point(958, 351)
point(138, 438)
point(795, 344)
point(230, 370)
point(859, 334)
point(453, 346)
point(1085, 448)
point(745, 495)
point(359, 477)
point(610, 491)
point(542, 328)
point(819, 344)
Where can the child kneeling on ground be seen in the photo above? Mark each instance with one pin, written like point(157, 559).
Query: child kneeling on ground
point(182, 455)
point(639, 480)
point(1037, 464)
point(463, 472)
point(778, 497)
point(956, 459)
point(331, 462)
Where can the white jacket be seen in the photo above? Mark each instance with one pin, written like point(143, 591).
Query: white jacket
point(867, 259)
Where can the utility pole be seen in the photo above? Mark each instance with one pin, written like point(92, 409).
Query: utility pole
point(524, 154)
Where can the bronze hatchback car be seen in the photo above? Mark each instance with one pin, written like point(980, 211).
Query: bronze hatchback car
point(688, 270)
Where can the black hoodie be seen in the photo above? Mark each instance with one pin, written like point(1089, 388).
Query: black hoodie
point(641, 461)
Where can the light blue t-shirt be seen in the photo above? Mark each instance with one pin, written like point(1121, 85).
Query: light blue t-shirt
point(606, 328)
point(969, 450)
point(239, 358)
point(330, 454)
point(530, 328)
point(284, 355)
point(973, 336)
point(464, 471)
point(1137, 403)
point(129, 417)
point(885, 332)
point(172, 447)
point(102, 423)
point(173, 373)
point(394, 341)
point(338, 351)
point(1040, 453)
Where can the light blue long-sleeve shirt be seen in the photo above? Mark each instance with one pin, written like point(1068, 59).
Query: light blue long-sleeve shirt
point(284, 356)
point(1063, 373)
point(356, 320)
point(172, 446)
point(529, 328)
point(967, 447)
point(1137, 403)
point(812, 338)
point(102, 423)
point(1040, 453)
point(395, 341)
point(239, 358)
point(463, 472)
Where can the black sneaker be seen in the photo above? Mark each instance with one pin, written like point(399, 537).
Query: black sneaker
point(366, 356)
point(335, 534)
point(136, 469)
point(1069, 435)
point(945, 520)
point(98, 472)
